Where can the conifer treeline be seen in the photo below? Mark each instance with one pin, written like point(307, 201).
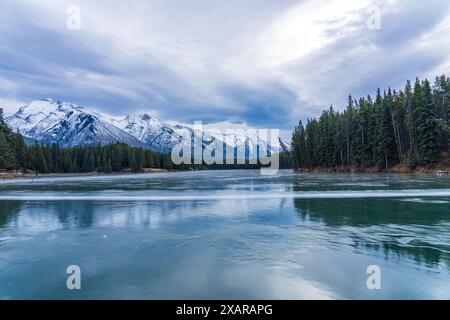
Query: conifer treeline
point(110, 158)
point(12, 146)
point(410, 127)
point(15, 154)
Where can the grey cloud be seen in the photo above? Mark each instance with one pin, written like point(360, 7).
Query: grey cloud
point(181, 70)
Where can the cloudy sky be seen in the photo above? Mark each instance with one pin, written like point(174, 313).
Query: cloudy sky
point(262, 63)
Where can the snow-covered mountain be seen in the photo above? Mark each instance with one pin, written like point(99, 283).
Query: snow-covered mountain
point(151, 131)
point(67, 125)
point(70, 125)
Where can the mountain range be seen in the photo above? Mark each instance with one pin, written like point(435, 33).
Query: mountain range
point(70, 125)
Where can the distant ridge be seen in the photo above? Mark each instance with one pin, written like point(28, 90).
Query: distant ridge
point(70, 125)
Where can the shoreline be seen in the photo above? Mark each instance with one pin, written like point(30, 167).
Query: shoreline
point(345, 170)
point(397, 169)
point(19, 175)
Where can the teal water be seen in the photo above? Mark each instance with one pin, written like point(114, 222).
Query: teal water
point(226, 235)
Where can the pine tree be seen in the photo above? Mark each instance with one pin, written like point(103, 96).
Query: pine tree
point(116, 158)
point(385, 133)
point(7, 156)
point(7, 159)
point(442, 101)
point(348, 116)
point(139, 159)
point(428, 134)
point(299, 146)
point(108, 166)
point(410, 126)
point(398, 124)
point(39, 164)
point(133, 162)
point(359, 130)
point(66, 162)
point(311, 142)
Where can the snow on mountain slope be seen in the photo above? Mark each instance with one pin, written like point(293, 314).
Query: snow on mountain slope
point(66, 124)
point(158, 135)
point(151, 131)
point(69, 125)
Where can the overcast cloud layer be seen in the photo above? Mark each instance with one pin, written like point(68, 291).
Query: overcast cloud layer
point(264, 63)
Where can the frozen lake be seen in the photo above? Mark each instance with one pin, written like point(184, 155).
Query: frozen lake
point(226, 235)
